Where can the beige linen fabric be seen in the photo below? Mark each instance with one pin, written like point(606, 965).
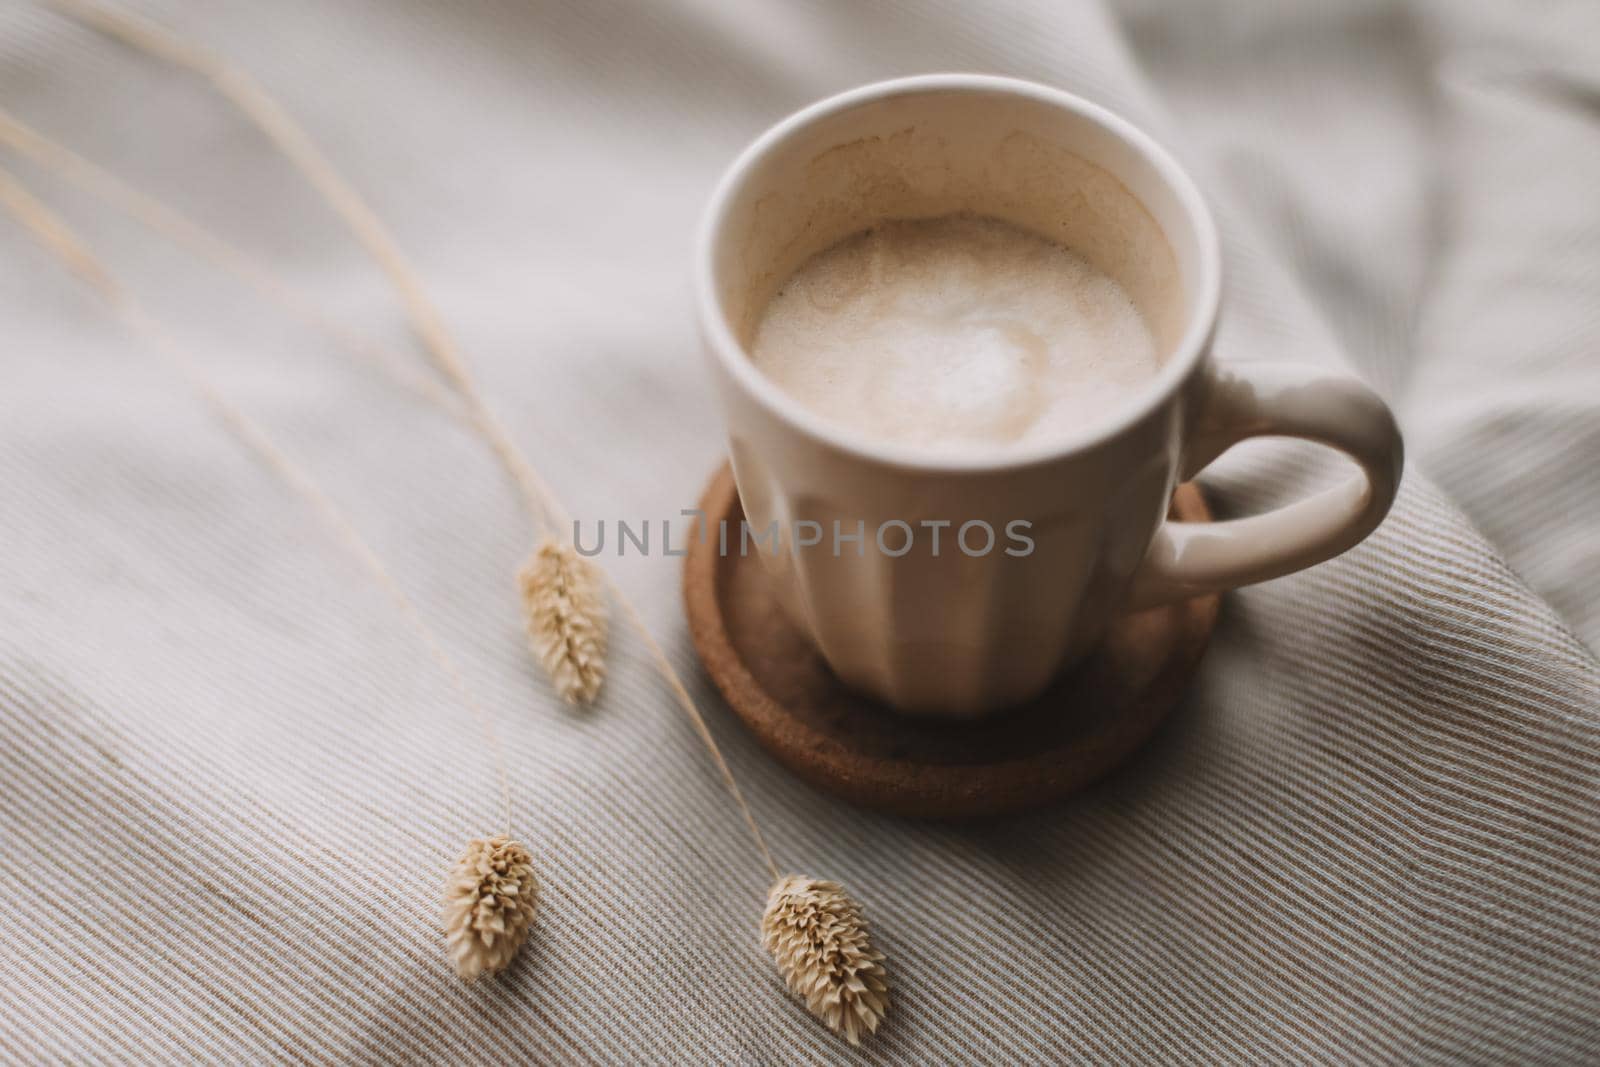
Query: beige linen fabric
point(231, 783)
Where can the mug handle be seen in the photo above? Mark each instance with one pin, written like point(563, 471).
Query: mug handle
point(1273, 399)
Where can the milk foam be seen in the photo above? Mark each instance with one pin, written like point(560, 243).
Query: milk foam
point(955, 331)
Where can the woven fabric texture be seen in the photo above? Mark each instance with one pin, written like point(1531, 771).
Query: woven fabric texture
point(232, 782)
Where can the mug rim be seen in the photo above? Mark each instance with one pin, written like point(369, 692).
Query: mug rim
point(1177, 369)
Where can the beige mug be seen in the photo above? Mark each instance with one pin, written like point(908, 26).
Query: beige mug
point(944, 629)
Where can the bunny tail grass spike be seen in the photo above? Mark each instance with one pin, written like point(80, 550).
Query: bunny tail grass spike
point(577, 679)
point(489, 904)
point(566, 612)
point(490, 897)
point(816, 934)
point(819, 938)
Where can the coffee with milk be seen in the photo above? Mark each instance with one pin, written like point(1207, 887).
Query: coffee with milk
point(946, 333)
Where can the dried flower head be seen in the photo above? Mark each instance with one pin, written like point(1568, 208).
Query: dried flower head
point(819, 938)
point(488, 905)
point(566, 616)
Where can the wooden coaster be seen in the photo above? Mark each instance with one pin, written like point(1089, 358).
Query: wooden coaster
point(856, 748)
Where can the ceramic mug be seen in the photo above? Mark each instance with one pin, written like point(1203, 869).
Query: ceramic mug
point(939, 629)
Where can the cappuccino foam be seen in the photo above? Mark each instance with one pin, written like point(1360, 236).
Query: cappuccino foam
point(956, 331)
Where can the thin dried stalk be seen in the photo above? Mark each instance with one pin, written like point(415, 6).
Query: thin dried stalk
point(565, 608)
point(818, 936)
point(486, 948)
point(296, 145)
point(489, 904)
point(185, 232)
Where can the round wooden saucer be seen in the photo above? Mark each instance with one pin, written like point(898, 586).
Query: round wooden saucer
point(856, 748)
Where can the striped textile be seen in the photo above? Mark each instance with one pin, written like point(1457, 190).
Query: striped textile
point(232, 782)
